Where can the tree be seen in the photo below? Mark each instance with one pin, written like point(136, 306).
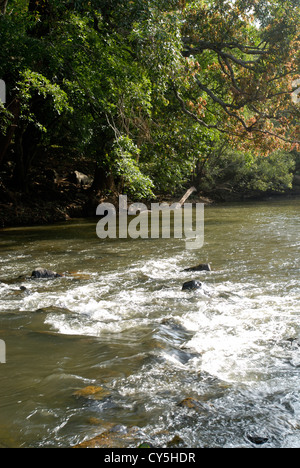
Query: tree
point(241, 60)
point(32, 97)
point(32, 90)
point(156, 87)
point(230, 68)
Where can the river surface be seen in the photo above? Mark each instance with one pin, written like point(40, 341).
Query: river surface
point(218, 367)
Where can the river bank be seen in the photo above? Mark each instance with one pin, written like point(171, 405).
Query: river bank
point(43, 208)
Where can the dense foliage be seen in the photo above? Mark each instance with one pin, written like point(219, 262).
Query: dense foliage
point(155, 94)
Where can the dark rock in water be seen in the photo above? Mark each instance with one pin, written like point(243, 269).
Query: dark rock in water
point(20, 291)
point(201, 267)
point(257, 440)
point(191, 286)
point(294, 341)
point(43, 273)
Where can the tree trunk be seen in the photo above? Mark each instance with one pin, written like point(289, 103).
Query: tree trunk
point(43, 9)
point(5, 141)
point(3, 6)
point(27, 139)
point(19, 178)
point(103, 180)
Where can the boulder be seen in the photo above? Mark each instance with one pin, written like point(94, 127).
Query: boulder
point(191, 285)
point(80, 179)
point(201, 267)
point(83, 179)
point(257, 440)
point(44, 273)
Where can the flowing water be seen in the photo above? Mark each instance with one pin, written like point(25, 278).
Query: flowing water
point(230, 351)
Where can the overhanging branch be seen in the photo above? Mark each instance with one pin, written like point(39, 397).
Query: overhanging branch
point(196, 47)
point(248, 132)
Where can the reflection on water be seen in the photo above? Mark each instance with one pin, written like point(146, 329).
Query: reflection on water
point(218, 367)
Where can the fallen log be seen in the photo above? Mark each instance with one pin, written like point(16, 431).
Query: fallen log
point(187, 195)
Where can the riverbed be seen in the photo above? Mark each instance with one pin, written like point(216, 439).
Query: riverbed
point(116, 342)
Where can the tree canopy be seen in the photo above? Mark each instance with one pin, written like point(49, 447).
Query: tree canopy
point(151, 91)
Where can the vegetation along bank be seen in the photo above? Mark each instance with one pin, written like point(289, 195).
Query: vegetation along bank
point(145, 98)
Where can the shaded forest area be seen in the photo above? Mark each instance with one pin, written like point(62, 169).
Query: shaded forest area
point(146, 98)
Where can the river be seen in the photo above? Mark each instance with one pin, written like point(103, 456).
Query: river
point(218, 367)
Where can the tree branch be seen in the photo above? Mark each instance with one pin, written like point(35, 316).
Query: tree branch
point(197, 47)
point(195, 117)
point(250, 130)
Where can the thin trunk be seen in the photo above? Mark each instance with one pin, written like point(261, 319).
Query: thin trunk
point(3, 6)
point(103, 180)
point(5, 141)
point(19, 178)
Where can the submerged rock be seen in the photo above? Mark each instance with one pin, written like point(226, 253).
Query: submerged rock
point(77, 275)
point(117, 437)
point(189, 402)
point(145, 445)
point(191, 285)
point(44, 273)
point(177, 441)
point(201, 407)
point(201, 267)
point(92, 393)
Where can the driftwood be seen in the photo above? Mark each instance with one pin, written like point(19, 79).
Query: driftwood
point(187, 195)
